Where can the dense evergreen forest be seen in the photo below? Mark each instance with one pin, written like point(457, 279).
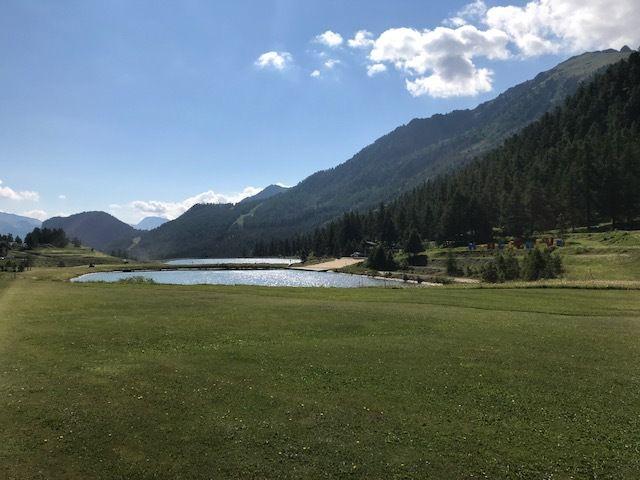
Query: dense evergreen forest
point(46, 236)
point(576, 166)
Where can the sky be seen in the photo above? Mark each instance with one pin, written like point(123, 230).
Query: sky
point(143, 108)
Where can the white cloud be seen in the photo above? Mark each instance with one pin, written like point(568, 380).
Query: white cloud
point(138, 209)
point(275, 60)
point(39, 214)
point(550, 26)
point(11, 194)
point(361, 39)
point(449, 82)
point(376, 68)
point(332, 62)
point(62, 197)
point(329, 39)
point(315, 73)
point(442, 58)
point(472, 11)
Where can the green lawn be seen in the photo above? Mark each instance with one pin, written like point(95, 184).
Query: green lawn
point(151, 381)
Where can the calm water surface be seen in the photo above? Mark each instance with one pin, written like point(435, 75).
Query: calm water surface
point(233, 261)
point(269, 278)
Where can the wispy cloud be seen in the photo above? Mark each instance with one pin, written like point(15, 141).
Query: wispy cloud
point(361, 39)
point(37, 214)
point(376, 68)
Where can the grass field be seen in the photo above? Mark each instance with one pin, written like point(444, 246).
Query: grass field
point(152, 381)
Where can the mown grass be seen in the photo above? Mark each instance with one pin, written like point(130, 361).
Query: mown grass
point(156, 381)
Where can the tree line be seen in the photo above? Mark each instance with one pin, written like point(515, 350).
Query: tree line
point(46, 236)
point(578, 165)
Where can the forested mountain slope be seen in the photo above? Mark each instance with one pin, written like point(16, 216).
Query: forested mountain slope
point(393, 164)
point(575, 166)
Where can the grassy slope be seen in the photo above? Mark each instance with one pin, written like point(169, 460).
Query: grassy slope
point(603, 256)
point(597, 257)
point(70, 256)
point(151, 381)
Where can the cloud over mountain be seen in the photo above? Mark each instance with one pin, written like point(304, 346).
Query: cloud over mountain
point(11, 194)
point(446, 61)
point(138, 209)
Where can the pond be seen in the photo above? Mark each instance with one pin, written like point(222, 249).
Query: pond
point(233, 261)
point(269, 278)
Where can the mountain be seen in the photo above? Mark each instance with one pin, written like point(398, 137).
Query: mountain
point(268, 192)
point(98, 230)
point(393, 164)
point(17, 225)
point(149, 223)
point(576, 166)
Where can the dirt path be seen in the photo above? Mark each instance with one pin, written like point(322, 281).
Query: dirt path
point(331, 265)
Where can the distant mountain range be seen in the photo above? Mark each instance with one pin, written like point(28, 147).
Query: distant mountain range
point(105, 232)
point(395, 163)
point(149, 223)
point(17, 225)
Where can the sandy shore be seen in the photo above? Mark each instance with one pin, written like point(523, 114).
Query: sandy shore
point(331, 265)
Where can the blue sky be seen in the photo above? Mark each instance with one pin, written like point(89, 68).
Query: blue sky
point(143, 107)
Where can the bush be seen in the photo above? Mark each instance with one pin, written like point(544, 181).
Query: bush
point(538, 265)
point(419, 260)
point(413, 244)
point(452, 264)
point(138, 280)
point(381, 259)
point(490, 272)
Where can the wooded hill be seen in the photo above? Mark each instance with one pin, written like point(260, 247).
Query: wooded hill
point(95, 229)
point(575, 166)
point(394, 164)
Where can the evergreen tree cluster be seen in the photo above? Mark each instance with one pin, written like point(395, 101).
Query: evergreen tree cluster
point(46, 236)
point(576, 166)
point(537, 264)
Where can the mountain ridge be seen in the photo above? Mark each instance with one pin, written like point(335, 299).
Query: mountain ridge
point(393, 164)
point(17, 225)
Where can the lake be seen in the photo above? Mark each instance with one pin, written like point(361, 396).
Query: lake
point(268, 278)
point(233, 261)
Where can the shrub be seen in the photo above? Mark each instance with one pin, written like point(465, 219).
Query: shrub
point(490, 272)
point(538, 264)
point(381, 259)
point(138, 280)
point(452, 264)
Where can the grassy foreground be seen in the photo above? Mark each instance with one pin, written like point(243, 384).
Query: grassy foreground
point(151, 381)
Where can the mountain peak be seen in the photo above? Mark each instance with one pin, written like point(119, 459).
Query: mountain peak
point(95, 229)
point(267, 192)
point(149, 223)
